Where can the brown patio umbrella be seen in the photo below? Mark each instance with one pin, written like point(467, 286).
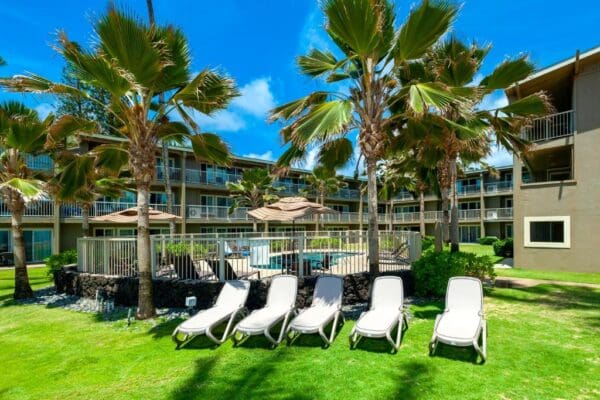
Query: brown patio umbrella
point(289, 209)
point(130, 215)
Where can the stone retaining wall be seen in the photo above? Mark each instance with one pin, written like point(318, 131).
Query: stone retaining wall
point(172, 293)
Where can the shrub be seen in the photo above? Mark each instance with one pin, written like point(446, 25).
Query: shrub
point(181, 248)
point(504, 248)
point(427, 242)
point(57, 261)
point(320, 243)
point(487, 240)
point(433, 270)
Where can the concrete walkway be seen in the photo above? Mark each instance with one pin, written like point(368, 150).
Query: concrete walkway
point(508, 282)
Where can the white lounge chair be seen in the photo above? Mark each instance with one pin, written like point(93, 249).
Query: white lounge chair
point(326, 307)
point(462, 323)
point(385, 314)
point(229, 305)
point(280, 306)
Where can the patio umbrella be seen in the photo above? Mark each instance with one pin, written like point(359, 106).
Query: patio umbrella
point(289, 209)
point(130, 215)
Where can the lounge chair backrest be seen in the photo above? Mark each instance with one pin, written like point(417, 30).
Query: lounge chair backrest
point(282, 292)
point(464, 294)
point(233, 294)
point(328, 291)
point(387, 292)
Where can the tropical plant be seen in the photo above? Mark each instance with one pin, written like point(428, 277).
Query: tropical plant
point(136, 63)
point(56, 262)
point(370, 52)
point(321, 182)
point(393, 181)
point(22, 134)
point(463, 131)
point(255, 189)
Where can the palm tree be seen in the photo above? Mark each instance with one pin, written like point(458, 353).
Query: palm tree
point(393, 181)
point(323, 181)
point(81, 179)
point(467, 131)
point(22, 133)
point(164, 144)
point(255, 189)
point(371, 51)
point(136, 63)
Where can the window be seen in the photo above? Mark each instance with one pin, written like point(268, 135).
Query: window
point(469, 233)
point(509, 230)
point(471, 205)
point(508, 203)
point(552, 232)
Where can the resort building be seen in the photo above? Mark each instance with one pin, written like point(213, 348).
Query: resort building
point(202, 200)
point(557, 185)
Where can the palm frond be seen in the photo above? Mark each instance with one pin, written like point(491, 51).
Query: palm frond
point(208, 92)
point(29, 189)
point(322, 121)
point(508, 73)
point(210, 147)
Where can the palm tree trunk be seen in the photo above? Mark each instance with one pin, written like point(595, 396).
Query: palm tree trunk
point(254, 225)
point(445, 214)
point(85, 220)
point(391, 217)
point(422, 213)
point(22, 287)
point(454, 209)
point(373, 232)
point(360, 217)
point(145, 297)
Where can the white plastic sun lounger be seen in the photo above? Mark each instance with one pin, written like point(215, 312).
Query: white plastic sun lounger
point(385, 314)
point(326, 306)
point(462, 323)
point(280, 306)
point(229, 305)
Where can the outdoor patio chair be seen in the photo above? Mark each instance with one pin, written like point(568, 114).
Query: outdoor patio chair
point(230, 273)
point(462, 323)
point(396, 255)
point(280, 306)
point(229, 305)
point(326, 307)
point(385, 314)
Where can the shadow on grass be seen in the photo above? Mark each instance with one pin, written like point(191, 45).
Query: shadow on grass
point(555, 296)
point(412, 373)
point(248, 382)
point(314, 339)
point(464, 354)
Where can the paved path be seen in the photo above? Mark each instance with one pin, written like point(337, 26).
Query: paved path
point(508, 282)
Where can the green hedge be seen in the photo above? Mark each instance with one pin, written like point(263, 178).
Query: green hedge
point(433, 270)
point(181, 248)
point(504, 248)
point(427, 242)
point(56, 261)
point(321, 243)
point(488, 240)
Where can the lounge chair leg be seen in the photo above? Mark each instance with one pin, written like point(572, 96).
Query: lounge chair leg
point(283, 328)
point(388, 336)
point(180, 343)
point(335, 326)
point(432, 346)
point(483, 349)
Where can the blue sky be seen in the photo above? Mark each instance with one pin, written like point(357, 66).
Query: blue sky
point(257, 41)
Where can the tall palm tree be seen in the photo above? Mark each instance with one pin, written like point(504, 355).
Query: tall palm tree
point(393, 181)
point(323, 181)
point(137, 63)
point(370, 51)
point(255, 189)
point(22, 133)
point(166, 168)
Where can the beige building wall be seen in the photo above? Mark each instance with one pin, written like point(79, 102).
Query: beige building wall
point(579, 199)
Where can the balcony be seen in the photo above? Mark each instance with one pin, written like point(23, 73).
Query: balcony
point(197, 177)
point(551, 127)
point(41, 208)
point(100, 208)
point(468, 190)
point(497, 214)
point(498, 187)
point(174, 173)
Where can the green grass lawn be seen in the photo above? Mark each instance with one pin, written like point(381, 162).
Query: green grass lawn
point(543, 343)
point(38, 278)
point(480, 250)
point(565, 276)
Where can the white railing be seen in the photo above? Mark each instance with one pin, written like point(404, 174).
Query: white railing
point(100, 208)
point(42, 162)
point(466, 190)
point(174, 173)
point(550, 127)
point(211, 213)
point(40, 208)
point(198, 177)
point(469, 214)
point(246, 256)
point(500, 186)
point(498, 213)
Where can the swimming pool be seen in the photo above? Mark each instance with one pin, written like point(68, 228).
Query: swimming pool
point(316, 259)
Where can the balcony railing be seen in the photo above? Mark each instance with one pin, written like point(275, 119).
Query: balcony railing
point(198, 177)
point(100, 208)
point(493, 214)
point(40, 208)
point(467, 190)
point(174, 173)
point(550, 127)
point(498, 187)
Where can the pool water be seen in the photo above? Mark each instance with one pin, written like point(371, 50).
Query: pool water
point(315, 259)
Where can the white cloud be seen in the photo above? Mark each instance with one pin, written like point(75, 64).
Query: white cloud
point(256, 98)
point(310, 160)
point(222, 121)
point(499, 158)
point(313, 34)
point(267, 156)
point(44, 109)
point(493, 101)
